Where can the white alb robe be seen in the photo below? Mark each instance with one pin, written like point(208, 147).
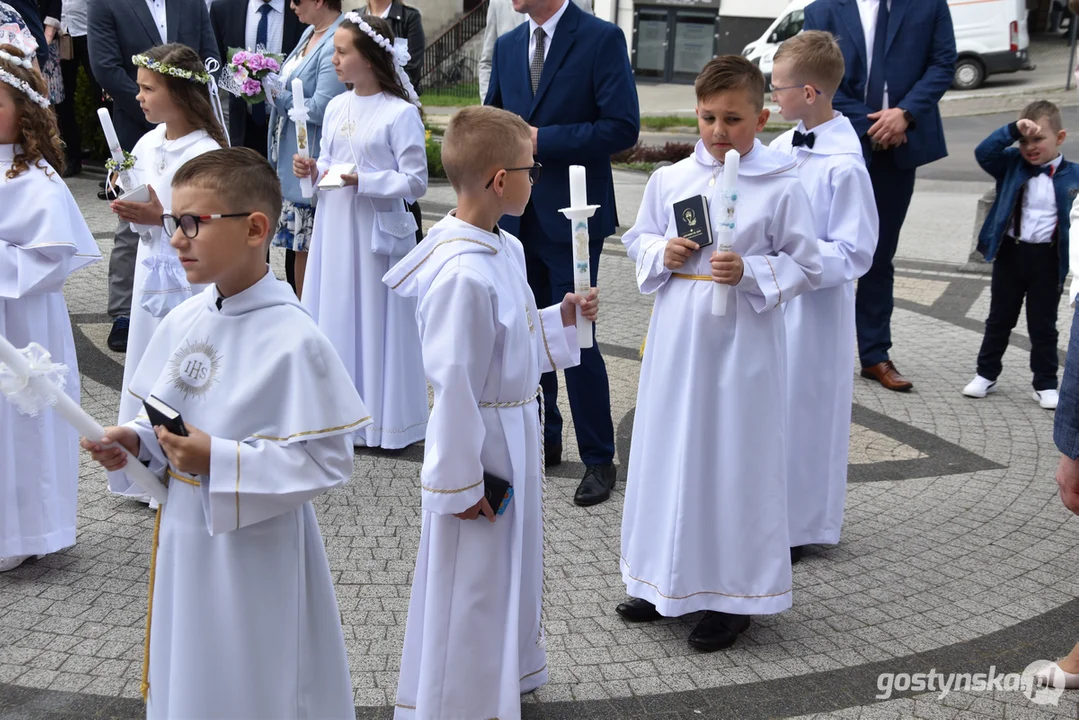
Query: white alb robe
point(43, 239)
point(473, 640)
point(243, 618)
point(359, 234)
point(820, 329)
point(150, 152)
point(705, 519)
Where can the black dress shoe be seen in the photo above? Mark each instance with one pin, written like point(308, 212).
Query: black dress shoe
point(717, 631)
point(637, 610)
point(596, 486)
point(552, 454)
point(71, 169)
point(118, 335)
point(796, 553)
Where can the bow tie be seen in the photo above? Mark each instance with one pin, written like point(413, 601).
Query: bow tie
point(807, 139)
point(1043, 170)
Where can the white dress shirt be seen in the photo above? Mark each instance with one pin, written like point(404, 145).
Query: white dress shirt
point(1038, 222)
point(548, 29)
point(276, 25)
point(73, 17)
point(867, 9)
point(157, 9)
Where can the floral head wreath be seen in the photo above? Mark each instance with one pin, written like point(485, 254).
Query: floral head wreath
point(21, 85)
point(203, 77)
point(398, 49)
point(196, 76)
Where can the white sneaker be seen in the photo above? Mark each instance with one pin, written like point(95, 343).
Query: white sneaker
point(979, 387)
point(12, 562)
point(1047, 398)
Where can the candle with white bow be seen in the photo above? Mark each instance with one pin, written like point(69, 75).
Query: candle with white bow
point(299, 116)
point(27, 380)
point(578, 213)
point(116, 151)
point(728, 199)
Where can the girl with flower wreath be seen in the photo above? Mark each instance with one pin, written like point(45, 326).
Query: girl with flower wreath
point(364, 228)
point(175, 94)
point(43, 239)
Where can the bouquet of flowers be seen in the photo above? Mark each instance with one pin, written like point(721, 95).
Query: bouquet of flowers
point(251, 75)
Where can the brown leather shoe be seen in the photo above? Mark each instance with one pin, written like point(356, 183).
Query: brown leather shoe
point(886, 374)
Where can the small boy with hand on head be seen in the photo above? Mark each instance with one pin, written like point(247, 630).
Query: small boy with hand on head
point(1025, 236)
point(473, 640)
point(243, 620)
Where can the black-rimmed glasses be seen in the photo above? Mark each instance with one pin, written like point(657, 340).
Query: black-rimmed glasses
point(535, 172)
point(190, 223)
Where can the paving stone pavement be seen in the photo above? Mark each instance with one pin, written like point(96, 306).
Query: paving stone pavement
point(955, 553)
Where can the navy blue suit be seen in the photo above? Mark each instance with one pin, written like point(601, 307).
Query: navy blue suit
point(919, 60)
point(586, 110)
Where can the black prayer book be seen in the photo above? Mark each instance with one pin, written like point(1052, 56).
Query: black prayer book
point(162, 414)
point(692, 220)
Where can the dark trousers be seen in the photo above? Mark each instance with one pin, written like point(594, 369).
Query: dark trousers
point(1031, 271)
point(893, 188)
point(550, 275)
point(255, 134)
point(65, 111)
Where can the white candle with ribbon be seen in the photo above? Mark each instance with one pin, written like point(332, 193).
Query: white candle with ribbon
point(728, 199)
point(30, 389)
point(116, 151)
point(303, 145)
point(578, 213)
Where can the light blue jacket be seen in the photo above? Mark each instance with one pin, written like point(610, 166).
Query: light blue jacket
point(320, 85)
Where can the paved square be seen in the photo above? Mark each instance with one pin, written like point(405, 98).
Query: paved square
point(956, 554)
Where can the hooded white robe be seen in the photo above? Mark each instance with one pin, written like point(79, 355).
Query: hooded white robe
point(43, 239)
point(705, 519)
point(243, 620)
point(473, 641)
point(820, 329)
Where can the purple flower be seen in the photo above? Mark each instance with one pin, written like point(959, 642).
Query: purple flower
point(240, 57)
point(251, 88)
point(272, 65)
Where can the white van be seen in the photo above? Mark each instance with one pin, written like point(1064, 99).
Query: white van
point(990, 36)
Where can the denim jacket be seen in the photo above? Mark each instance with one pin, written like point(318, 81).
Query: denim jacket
point(998, 158)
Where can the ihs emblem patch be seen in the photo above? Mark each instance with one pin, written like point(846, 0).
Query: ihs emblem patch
point(193, 369)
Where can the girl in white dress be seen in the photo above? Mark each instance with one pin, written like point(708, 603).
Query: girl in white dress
point(43, 239)
point(174, 91)
point(363, 229)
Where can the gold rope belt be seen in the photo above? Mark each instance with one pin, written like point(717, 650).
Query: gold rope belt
point(699, 278)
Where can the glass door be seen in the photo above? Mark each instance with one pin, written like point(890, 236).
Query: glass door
point(672, 44)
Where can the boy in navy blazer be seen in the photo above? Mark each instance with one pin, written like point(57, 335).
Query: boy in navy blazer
point(580, 99)
point(1025, 236)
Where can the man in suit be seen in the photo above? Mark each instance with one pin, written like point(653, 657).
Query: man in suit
point(248, 24)
point(117, 30)
point(900, 57)
point(406, 22)
point(568, 75)
point(501, 18)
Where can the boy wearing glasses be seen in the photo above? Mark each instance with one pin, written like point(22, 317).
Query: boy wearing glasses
point(243, 621)
point(473, 640)
point(705, 520)
point(820, 324)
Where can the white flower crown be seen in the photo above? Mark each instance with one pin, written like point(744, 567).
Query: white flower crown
point(202, 78)
point(24, 87)
point(23, 62)
point(398, 49)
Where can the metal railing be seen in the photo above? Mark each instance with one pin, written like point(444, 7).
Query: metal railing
point(447, 68)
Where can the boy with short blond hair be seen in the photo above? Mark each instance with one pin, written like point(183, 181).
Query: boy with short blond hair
point(705, 519)
point(1026, 236)
point(243, 620)
point(820, 324)
point(473, 640)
